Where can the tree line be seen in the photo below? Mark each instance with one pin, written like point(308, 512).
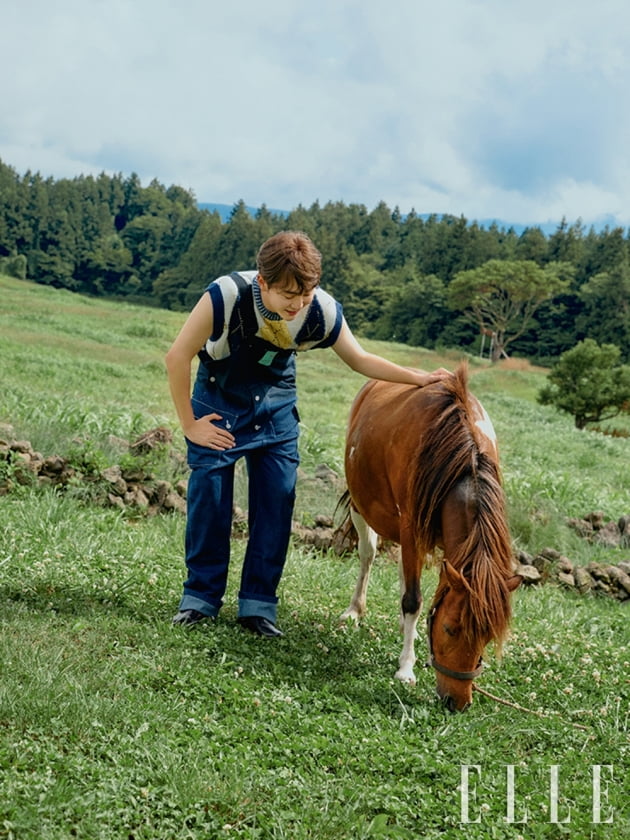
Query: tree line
point(432, 281)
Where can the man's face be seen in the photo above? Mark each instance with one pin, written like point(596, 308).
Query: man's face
point(286, 299)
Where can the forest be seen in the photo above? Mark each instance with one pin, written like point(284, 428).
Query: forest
point(415, 279)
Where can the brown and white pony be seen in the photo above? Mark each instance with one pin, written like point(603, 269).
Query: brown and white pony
point(422, 470)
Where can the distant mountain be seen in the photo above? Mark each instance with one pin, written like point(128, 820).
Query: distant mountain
point(551, 227)
point(225, 211)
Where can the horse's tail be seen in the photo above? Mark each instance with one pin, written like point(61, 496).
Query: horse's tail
point(345, 535)
point(343, 508)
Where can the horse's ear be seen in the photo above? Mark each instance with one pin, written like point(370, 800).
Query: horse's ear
point(514, 583)
point(455, 579)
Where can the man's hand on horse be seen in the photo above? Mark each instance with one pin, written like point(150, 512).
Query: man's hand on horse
point(438, 375)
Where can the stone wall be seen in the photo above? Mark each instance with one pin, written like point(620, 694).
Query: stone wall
point(133, 488)
point(550, 565)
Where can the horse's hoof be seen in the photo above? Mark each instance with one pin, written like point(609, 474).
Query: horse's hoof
point(348, 615)
point(406, 677)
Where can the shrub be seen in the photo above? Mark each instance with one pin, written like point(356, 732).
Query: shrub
point(589, 383)
point(14, 266)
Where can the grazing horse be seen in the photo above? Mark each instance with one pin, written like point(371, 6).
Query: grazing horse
point(422, 470)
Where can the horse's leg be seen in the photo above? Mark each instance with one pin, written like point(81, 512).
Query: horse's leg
point(411, 604)
point(367, 552)
point(401, 582)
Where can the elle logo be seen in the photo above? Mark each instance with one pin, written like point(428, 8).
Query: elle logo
point(470, 773)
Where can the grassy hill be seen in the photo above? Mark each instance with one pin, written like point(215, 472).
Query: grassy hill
point(114, 725)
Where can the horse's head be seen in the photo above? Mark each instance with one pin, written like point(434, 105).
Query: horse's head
point(459, 628)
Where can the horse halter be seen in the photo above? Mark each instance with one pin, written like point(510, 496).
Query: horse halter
point(433, 663)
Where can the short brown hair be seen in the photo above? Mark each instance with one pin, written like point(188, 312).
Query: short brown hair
point(290, 255)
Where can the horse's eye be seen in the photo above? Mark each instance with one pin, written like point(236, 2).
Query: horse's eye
point(448, 629)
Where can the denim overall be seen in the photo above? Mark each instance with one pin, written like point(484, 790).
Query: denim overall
point(254, 391)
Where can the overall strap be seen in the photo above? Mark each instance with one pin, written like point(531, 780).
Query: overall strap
point(242, 325)
point(243, 318)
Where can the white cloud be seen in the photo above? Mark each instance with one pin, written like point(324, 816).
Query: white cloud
point(483, 108)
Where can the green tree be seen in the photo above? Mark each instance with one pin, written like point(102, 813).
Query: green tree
point(143, 238)
point(302, 219)
point(17, 208)
point(340, 226)
point(363, 290)
point(552, 330)
point(532, 245)
point(265, 223)
point(502, 296)
point(566, 244)
point(9, 208)
point(14, 266)
point(606, 316)
point(106, 269)
point(416, 311)
point(589, 383)
point(181, 286)
point(132, 203)
point(379, 232)
point(238, 243)
point(603, 251)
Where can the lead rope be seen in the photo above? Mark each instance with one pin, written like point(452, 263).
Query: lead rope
point(522, 708)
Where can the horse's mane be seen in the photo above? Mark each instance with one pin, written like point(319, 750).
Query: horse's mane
point(450, 453)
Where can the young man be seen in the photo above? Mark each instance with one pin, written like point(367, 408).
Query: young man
point(246, 330)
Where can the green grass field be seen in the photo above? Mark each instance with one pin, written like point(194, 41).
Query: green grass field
point(115, 725)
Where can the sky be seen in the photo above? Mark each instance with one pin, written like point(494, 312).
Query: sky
point(490, 109)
